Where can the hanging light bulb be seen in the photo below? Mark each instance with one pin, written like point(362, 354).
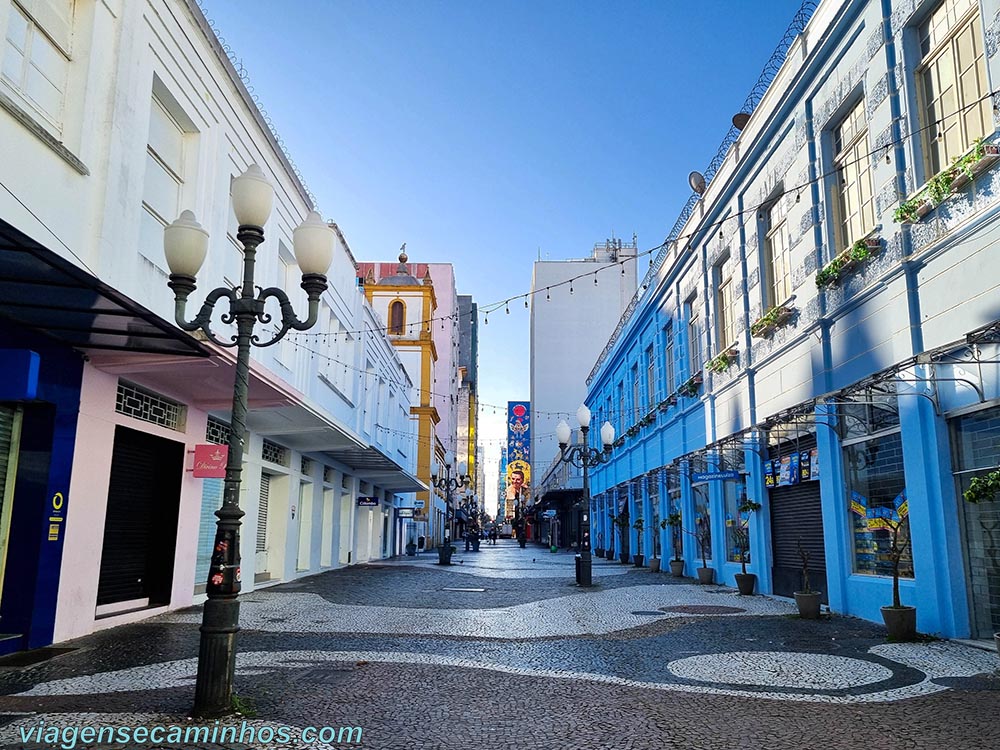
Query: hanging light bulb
point(526, 302)
point(507, 306)
point(547, 297)
point(571, 287)
point(595, 279)
point(486, 318)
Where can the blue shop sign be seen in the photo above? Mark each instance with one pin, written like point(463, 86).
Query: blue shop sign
point(708, 476)
point(367, 502)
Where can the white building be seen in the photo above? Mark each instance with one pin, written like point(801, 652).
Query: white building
point(568, 331)
point(114, 117)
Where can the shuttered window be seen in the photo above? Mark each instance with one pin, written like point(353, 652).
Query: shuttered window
point(265, 488)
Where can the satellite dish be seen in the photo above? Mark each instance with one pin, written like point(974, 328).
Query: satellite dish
point(697, 182)
point(740, 120)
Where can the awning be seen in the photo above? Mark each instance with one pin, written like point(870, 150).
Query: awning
point(372, 465)
point(41, 291)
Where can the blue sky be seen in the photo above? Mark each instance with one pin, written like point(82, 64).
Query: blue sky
point(485, 133)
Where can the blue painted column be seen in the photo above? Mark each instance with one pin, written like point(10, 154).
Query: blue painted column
point(633, 512)
point(938, 564)
point(666, 549)
point(833, 494)
point(717, 512)
point(688, 542)
point(647, 517)
point(760, 521)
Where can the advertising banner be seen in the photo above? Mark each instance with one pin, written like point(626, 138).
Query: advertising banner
point(519, 452)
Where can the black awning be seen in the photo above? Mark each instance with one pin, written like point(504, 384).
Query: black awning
point(372, 465)
point(41, 291)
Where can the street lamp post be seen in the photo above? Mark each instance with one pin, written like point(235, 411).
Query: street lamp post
point(185, 245)
point(442, 479)
point(584, 457)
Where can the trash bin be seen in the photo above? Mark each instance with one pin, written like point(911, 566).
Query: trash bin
point(420, 542)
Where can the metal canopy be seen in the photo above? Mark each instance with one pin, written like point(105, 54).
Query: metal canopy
point(374, 466)
point(44, 292)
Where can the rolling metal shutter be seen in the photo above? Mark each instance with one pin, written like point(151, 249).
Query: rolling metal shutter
point(796, 513)
point(6, 437)
point(265, 488)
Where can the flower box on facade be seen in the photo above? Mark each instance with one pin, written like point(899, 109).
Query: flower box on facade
point(770, 321)
point(724, 360)
point(690, 388)
point(847, 261)
point(942, 186)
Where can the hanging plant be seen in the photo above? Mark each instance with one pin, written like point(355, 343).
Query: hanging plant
point(943, 185)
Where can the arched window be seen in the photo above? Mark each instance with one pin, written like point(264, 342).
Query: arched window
point(396, 318)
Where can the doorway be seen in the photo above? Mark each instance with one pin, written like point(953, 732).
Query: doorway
point(140, 529)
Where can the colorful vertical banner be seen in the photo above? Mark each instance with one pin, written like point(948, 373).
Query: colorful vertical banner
point(519, 451)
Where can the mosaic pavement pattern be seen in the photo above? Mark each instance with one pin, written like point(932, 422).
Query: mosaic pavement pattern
point(421, 658)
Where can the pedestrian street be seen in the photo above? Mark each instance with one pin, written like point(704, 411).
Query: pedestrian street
point(502, 649)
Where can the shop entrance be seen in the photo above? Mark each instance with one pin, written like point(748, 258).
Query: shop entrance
point(10, 429)
point(796, 515)
point(140, 530)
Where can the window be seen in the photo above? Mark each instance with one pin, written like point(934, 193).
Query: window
point(725, 309)
point(777, 255)
point(669, 357)
point(876, 497)
point(636, 398)
point(855, 210)
point(702, 521)
point(162, 181)
point(952, 78)
point(396, 318)
point(621, 408)
point(35, 58)
point(737, 523)
point(650, 378)
point(695, 356)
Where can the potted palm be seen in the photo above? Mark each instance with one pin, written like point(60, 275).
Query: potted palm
point(984, 489)
point(900, 620)
point(806, 600)
point(411, 547)
point(639, 526)
point(674, 522)
point(445, 551)
point(745, 582)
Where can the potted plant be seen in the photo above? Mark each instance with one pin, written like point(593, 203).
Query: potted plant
point(445, 551)
point(639, 526)
point(984, 489)
point(900, 620)
point(674, 522)
point(654, 560)
point(806, 600)
point(770, 321)
point(703, 534)
point(411, 547)
point(599, 549)
point(745, 582)
point(621, 522)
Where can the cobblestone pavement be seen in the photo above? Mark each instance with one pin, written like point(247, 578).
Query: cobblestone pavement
point(502, 650)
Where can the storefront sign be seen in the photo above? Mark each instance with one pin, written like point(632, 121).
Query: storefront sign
point(210, 461)
point(418, 503)
point(57, 517)
point(709, 476)
point(404, 512)
point(367, 502)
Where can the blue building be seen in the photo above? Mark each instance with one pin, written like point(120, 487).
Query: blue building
point(819, 333)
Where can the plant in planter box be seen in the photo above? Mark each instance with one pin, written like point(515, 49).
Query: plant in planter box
point(691, 385)
point(724, 360)
point(639, 526)
point(674, 522)
point(900, 620)
point(745, 582)
point(807, 600)
point(774, 318)
point(654, 559)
